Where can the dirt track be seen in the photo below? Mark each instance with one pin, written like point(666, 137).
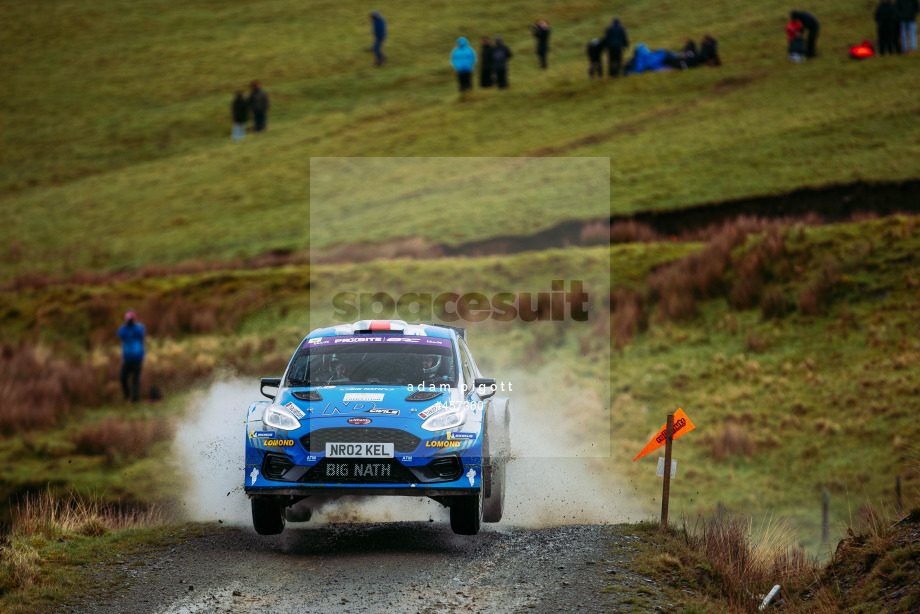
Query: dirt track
point(386, 567)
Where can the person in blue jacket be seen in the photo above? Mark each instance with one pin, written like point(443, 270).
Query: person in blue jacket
point(131, 334)
point(379, 26)
point(463, 58)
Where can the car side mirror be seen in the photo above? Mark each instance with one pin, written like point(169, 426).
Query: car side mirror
point(485, 387)
point(270, 382)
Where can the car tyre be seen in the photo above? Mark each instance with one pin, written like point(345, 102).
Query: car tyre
point(267, 516)
point(466, 514)
point(497, 443)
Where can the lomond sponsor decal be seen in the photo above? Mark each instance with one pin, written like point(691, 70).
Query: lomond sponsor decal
point(461, 435)
point(386, 412)
point(359, 421)
point(261, 434)
point(359, 450)
point(284, 443)
point(363, 396)
point(443, 444)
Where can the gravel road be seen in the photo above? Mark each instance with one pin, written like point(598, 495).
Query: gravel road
point(385, 567)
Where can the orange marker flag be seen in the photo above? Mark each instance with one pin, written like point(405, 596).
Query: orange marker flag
point(682, 425)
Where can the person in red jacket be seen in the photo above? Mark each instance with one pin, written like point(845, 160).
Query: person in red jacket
point(795, 40)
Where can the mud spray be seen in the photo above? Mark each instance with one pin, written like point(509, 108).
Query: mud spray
point(560, 471)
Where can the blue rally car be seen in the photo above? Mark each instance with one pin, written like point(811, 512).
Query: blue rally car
point(378, 408)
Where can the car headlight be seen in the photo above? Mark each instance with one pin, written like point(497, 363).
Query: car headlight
point(451, 416)
point(280, 418)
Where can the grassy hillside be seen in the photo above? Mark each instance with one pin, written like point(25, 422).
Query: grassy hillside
point(116, 151)
point(797, 361)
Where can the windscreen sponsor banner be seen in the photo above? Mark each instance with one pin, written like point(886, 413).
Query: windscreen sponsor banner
point(346, 340)
point(359, 450)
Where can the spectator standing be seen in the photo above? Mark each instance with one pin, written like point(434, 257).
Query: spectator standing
point(907, 12)
point(811, 27)
point(258, 103)
point(887, 21)
point(616, 41)
point(595, 49)
point(541, 33)
point(500, 56)
point(239, 110)
point(379, 27)
point(709, 51)
point(131, 334)
point(463, 58)
point(485, 67)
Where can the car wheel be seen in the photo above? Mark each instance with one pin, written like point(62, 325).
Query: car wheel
point(267, 516)
point(497, 443)
point(466, 514)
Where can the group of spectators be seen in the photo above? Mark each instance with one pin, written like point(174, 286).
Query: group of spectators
point(896, 21)
point(241, 108)
point(896, 26)
point(616, 40)
point(493, 58)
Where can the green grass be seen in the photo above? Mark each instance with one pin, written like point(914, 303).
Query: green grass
point(116, 152)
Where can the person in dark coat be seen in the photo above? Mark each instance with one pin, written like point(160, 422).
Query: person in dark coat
point(907, 11)
point(485, 68)
point(811, 26)
point(888, 22)
point(709, 51)
point(379, 27)
point(258, 104)
point(541, 33)
point(616, 41)
point(595, 50)
point(239, 111)
point(131, 334)
point(500, 56)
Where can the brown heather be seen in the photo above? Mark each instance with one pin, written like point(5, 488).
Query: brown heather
point(122, 437)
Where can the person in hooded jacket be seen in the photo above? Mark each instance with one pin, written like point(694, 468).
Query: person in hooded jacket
point(463, 59)
point(500, 56)
point(131, 334)
point(616, 40)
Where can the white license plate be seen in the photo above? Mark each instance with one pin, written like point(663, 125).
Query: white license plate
point(359, 450)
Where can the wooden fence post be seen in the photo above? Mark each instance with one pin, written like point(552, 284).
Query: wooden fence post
point(824, 516)
point(666, 489)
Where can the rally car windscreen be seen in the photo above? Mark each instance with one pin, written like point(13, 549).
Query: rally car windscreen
point(382, 360)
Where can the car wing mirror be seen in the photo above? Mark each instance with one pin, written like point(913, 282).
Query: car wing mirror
point(485, 387)
point(270, 382)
